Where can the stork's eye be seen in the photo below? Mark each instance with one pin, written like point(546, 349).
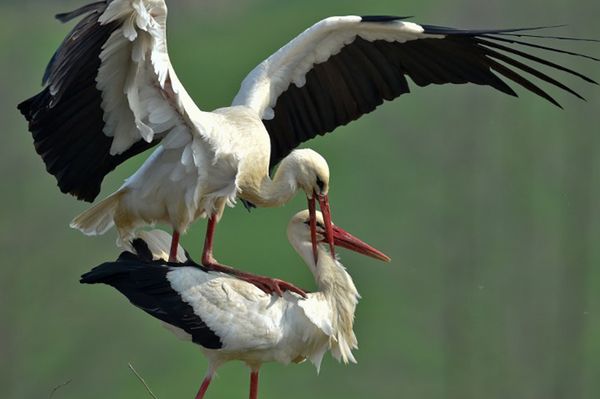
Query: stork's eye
point(319, 224)
point(320, 184)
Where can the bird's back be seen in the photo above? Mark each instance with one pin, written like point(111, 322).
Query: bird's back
point(228, 317)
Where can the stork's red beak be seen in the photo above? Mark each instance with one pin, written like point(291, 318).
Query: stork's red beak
point(346, 240)
point(335, 235)
point(324, 205)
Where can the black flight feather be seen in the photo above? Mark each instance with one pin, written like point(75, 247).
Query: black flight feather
point(144, 282)
point(364, 73)
point(66, 119)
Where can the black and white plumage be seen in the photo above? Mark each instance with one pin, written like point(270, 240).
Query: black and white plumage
point(234, 320)
point(344, 67)
point(144, 281)
point(112, 92)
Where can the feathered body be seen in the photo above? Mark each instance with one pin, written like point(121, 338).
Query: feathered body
point(205, 159)
point(111, 92)
point(232, 319)
point(183, 180)
point(257, 328)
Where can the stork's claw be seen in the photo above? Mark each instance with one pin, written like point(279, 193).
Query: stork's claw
point(267, 284)
point(272, 285)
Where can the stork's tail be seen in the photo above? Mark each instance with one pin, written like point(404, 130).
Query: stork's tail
point(138, 258)
point(99, 218)
point(158, 243)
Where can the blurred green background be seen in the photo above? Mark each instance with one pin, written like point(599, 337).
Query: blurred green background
point(488, 205)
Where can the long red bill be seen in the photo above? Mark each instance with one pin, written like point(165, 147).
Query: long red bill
point(324, 205)
point(313, 226)
point(346, 240)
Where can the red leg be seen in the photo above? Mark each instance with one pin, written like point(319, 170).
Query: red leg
point(254, 384)
point(174, 246)
point(207, 254)
point(267, 284)
point(204, 387)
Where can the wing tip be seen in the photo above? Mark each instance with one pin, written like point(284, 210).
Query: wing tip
point(98, 6)
point(590, 80)
point(64, 17)
point(518, 32)
point(24, 108)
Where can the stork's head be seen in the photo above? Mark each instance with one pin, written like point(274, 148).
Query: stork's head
point(300, 236)
point(311, 174)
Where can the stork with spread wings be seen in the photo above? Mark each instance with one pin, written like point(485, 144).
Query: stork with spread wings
point(111, 93)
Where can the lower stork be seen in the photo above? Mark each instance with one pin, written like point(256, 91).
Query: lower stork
point(232, 319)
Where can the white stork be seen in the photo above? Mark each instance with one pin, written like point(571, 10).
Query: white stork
point(111, 93)
point(233, 320)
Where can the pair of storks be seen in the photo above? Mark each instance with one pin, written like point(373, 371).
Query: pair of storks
point(111, 93)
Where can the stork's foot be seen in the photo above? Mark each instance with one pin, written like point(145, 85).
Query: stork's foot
point(272, 285)
point(267, 284)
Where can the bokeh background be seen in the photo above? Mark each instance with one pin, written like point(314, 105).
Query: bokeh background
point(488, 205)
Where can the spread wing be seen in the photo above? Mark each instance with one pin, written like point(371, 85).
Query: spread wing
point(110, 93)
point(344, 67)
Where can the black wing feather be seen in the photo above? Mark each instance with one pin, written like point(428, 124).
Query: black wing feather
point(144, 282)
point(66, 117)
point(364, 73)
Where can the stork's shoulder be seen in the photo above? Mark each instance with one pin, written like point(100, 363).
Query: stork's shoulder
point(240, 117)
point(239, 131)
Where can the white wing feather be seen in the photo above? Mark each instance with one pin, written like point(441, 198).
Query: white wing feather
point(290, 64)
point(142, 97)
point(244, 317)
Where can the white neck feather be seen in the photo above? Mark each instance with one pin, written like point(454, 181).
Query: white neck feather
point(282, 188)
point(274, 192)
point(337, 288)
point(300, 170)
